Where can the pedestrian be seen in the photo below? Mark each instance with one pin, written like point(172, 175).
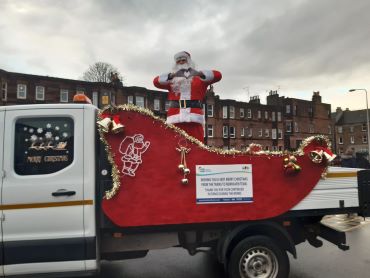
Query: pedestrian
point(348, 159)
point(361, 161)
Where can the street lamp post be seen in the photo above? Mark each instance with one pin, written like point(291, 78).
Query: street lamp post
point(367, 120)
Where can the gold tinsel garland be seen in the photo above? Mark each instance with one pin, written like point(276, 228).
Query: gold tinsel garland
point(130, 107)
point(115, 172)
point(323, 140)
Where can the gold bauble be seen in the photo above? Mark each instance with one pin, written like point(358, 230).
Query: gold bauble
point(186, 171)
point(297, 168)
point(181, 167)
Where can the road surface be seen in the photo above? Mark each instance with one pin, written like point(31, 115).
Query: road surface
point(327, 261)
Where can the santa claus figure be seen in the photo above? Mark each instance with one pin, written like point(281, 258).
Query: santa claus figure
point(186, 91)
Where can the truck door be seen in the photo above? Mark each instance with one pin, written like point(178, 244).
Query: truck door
point(42, 195)
point(1, 184)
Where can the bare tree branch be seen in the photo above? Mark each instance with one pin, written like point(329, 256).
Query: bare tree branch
point(102, 72)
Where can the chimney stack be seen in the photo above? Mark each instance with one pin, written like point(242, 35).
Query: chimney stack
point(338, 114)
point(273, 98)
point(255, 99)
point(316, 97)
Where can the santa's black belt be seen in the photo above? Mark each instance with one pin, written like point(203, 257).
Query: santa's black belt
point(181, 103)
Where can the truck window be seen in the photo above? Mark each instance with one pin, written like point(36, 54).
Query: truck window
point(43, 145)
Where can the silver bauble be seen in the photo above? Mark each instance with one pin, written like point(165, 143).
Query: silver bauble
point(184, 181)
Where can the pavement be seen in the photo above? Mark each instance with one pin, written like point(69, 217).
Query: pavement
point(330, 262)
point(345, 222)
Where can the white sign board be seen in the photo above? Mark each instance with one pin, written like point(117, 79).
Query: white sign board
point(224, 183)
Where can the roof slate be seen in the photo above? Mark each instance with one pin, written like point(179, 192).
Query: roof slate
point(353, 117)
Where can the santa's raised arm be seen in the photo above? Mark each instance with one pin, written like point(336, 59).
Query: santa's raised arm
point(187, 88)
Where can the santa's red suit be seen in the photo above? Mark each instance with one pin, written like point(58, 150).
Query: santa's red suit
point(187, 89)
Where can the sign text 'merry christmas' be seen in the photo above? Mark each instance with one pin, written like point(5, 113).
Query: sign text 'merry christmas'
point(47, 159)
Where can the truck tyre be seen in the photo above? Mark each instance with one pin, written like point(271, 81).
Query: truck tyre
point(258, 257)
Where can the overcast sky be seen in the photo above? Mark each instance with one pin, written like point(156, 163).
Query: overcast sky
point(293, 46)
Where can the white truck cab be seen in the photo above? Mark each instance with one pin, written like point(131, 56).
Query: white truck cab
point(47, 162)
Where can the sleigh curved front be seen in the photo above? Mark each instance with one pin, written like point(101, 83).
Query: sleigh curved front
point(152, 190)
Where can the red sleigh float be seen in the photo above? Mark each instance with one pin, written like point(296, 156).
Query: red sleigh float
point(155, 168)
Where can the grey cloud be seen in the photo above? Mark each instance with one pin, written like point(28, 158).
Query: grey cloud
point(295, 44)
point(314, 38)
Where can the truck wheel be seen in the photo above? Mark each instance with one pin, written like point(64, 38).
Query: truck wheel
point(258, 256)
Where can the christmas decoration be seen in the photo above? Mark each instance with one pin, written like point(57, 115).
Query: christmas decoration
point(254, 148)
point(290, 165)
point(44, 138)
point(110, 120)
point(104, 123)
point(45, 142)
point(187, 89)
point(117, 126)
point(131, 148)
point(184, 181)
point(317, 147)
point(183, 166)
point(316, 156)
point(154, 195)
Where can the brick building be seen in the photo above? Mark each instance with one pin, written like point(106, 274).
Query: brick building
point(234, 124)
point(280, 124)
point(303, 118)
point(19, 88)
point(153, 100)
point(350, 131)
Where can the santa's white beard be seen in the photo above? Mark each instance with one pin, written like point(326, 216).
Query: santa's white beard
point(185, 66)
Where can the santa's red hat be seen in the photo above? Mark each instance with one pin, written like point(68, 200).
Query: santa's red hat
point(182, 54)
